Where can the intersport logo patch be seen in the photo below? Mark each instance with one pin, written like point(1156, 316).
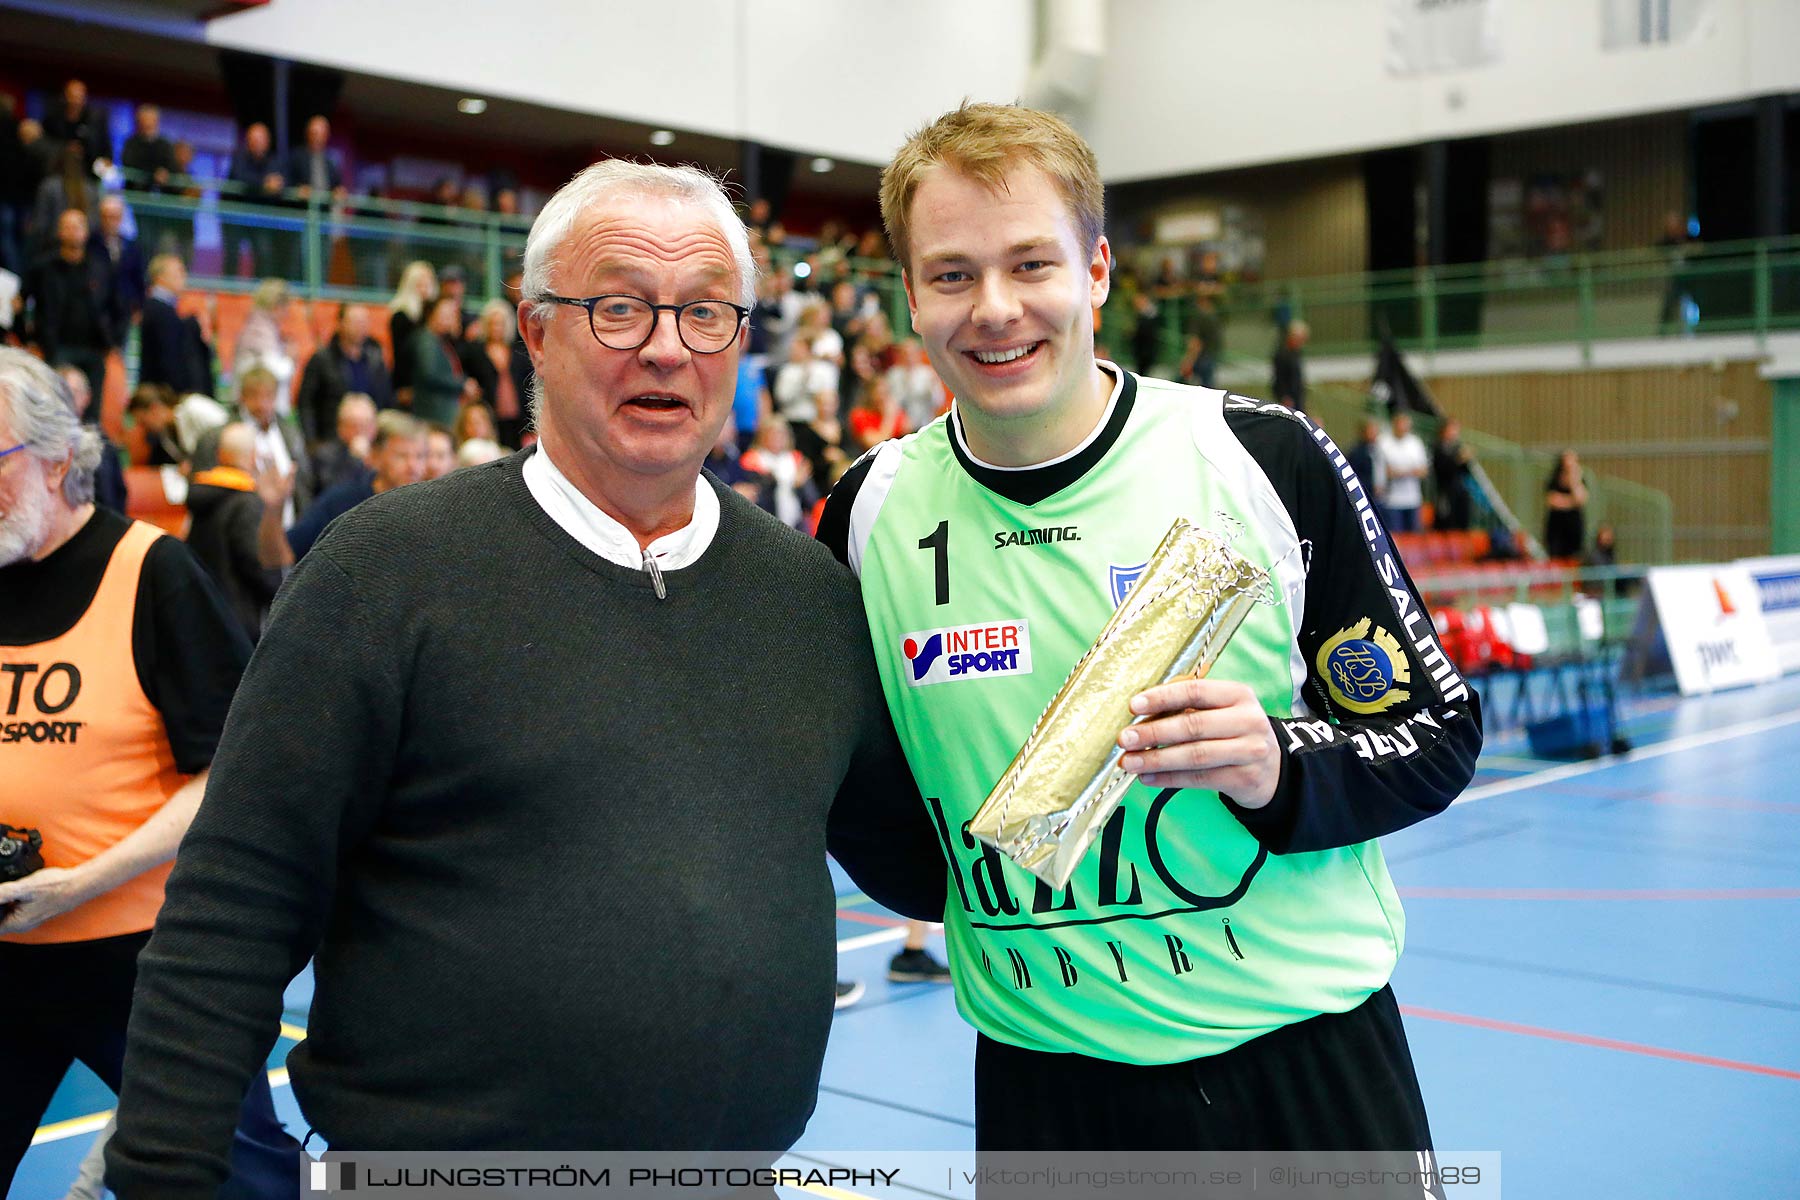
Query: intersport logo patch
point(963, 652)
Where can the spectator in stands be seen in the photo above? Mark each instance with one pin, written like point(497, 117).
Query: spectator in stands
point(1676, 244)
point(309, 167)
point(174, 426)
point(20, 174)
point(1205, 340)
point(227, 513)
point(1404, 464)
point(67, 186)
point(878, 415)
point(827, 347)
point(1146, 334)
point(344, 459)
point(1289, 383)
point(397, 459)
point(66, 294)
point(124, 260)
point(453, 281)
point(148, 658)
point(801, 381)
point(279, 446)
point(148, 157)
point(1565, 508)
point(109, 474)
point(172, 349)
point(440, 450)
point(916, 386)
point(1605, 550)
point(350, 362)
point(496, 363)
point(81, 122)
point(262, 342)
point(256, 178)
point(777, 315)
point(1365, 459)
point(474, 423)
point(790, 492)
point(439, 383)
point(1451, 462)
point(476, 451)
point(824, 442)
point(418, 284)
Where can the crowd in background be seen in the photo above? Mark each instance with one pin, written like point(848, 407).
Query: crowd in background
point(824, 376)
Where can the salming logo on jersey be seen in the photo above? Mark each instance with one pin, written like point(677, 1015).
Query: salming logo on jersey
point(1036, 537)
point(967, 652)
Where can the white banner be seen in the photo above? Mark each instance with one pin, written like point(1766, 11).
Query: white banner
point(1712, 622)
point(1428, 36)
point(1778, 591)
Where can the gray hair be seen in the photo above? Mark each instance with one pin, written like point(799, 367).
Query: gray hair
point(38, 407)
point(618, 177)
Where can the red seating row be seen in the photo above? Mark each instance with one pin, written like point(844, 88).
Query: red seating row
point(1437, 547)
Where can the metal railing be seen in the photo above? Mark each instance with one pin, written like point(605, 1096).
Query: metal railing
point(1748, 287)
point(1642, 517)
point(354, 248)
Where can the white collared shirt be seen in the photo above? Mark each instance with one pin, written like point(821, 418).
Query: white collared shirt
point(584, 521)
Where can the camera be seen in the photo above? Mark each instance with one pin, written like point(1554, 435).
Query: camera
point(19, 852)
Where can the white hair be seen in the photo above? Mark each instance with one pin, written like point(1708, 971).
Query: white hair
point(613, 177)
point(618, 177)
point(41, 413)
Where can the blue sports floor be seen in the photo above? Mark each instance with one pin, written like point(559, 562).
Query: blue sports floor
point(1596, 980)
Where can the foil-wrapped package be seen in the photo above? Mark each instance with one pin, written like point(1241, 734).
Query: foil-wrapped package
point(1055, 797)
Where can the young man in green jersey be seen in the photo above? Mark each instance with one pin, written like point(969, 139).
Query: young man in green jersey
point(1214, 976)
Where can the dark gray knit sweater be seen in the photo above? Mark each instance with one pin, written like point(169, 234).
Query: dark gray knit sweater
point(558, 845)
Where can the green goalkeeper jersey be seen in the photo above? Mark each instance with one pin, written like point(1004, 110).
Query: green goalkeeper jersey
point(1192, 924)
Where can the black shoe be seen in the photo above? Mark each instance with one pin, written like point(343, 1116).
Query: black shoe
point(917, 966)
point(848, 993)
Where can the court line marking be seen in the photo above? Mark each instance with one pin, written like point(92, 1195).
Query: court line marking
point(1672, 746)
point(870, 919)
point(1501, 893)
point(873, 939)
point(1553, 971)
point(1584, 1039)
point(94, 1122)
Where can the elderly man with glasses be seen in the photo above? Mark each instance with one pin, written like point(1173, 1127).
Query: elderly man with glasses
point(564, 889)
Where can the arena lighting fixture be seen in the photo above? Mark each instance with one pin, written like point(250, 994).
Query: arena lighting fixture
point(662, 137)
point(802, 269)
point(822, 165)
point(471, 105)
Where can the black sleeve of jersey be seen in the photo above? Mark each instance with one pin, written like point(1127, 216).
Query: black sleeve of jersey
point(189, 649)
point(880, 830)
point(834, 522)
point(1356, 775)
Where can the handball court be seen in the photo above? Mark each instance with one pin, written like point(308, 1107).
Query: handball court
point(1596, 980)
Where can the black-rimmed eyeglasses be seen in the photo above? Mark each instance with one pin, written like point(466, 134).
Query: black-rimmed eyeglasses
point(627, 322)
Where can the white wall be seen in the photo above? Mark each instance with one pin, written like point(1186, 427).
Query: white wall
point(848, 78)
point(1197, 85)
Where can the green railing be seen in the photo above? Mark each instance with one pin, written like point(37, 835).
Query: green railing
point(1642, 518)
point(351, 249)
point(355, 249)
point(1728, 287)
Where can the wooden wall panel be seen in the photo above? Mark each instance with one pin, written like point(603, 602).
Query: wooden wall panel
point(1642, 163)
point(1699, 434)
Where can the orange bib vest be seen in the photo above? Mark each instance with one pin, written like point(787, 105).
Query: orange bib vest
point(84, 756)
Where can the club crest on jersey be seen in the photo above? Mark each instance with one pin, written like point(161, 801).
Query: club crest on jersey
point(1364, 671)
point(959, 652)
point(1119, 580)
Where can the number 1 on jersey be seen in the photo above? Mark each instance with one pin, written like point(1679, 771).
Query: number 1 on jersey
point(939, 540)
